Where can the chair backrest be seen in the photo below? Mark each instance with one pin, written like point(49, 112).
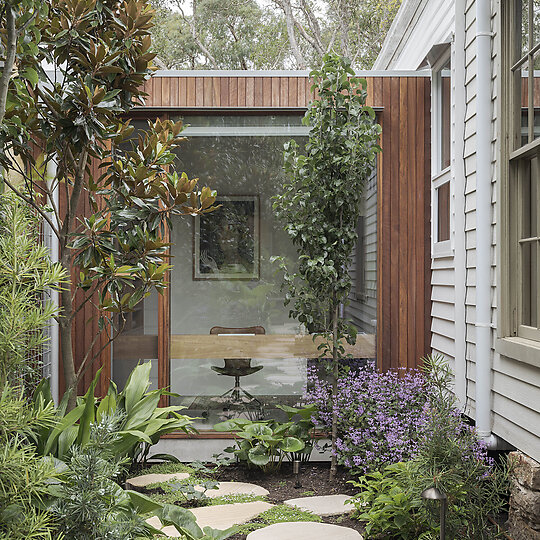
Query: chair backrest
point(247, 330)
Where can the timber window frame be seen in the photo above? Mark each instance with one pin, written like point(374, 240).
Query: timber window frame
point(520, 174)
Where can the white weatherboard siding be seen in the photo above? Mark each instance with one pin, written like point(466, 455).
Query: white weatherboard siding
point(515, 383)
point(362, 309)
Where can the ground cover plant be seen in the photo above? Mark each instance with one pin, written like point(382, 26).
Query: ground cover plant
point(320, 205)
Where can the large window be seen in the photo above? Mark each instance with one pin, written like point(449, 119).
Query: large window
point(522, 51)
point(222, 274)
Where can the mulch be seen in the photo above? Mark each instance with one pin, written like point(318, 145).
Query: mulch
point(314, 480)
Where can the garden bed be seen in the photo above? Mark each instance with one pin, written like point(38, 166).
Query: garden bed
point(314, 480)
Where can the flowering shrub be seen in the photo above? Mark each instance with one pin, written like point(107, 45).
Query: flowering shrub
point(449, 456)
point(381, 416)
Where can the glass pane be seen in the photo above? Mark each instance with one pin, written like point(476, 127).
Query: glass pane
point(222, 274)
point(536, 21)
point(443, 212)
point(137, 342)
point(529, 261)
point(529, 206)
point(446, 105)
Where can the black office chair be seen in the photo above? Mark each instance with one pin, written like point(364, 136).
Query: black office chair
point(237, 367)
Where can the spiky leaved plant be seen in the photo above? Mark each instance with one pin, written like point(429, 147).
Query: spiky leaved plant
point(26, 276)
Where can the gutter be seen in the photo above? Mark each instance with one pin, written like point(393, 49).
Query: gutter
point(483, 222)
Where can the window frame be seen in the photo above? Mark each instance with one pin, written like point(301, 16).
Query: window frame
point(439, 175)
point(515, 157)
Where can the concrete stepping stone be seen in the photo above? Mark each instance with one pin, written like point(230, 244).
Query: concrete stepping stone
point(234, 488)
point(224, 516)
point(147, 479)
point(326, 505)
point(304, 530)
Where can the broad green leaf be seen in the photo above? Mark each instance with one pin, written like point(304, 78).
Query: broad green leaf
point(68, 420)
point(291, 444)
point(136, 386)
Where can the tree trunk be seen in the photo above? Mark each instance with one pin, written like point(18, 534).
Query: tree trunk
point(9, 62)
point(289, 20)
point(68, 363)
point(335, 375)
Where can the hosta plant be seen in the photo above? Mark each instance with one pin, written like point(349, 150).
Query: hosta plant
point(261, 444)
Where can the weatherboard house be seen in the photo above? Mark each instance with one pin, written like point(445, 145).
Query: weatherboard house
point(448, 256)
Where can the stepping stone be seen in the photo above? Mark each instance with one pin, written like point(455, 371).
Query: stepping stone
point(226, 515)
point(327, 505)
point(304, 530)
point(147, 479)
point(234, 488)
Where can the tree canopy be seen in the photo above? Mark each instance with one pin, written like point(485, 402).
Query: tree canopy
point(276, 34)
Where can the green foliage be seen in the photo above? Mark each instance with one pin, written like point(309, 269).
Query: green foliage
point(303, 429)
point(26, 275)
point(261, 444)
point(388, 504)
point(451, 458)
point(141, 420)
point(24, 476)
point(320, 205)
point(89, 503)
point(281, 513)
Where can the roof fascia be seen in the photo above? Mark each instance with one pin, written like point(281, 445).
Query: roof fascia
point(398, 33)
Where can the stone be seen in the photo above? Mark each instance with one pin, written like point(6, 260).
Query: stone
point(525, 470)
point(326, 505)
point(304, 530)
point(234, 488)
point(525, 504)
point(520, 530)
point(147, 479)
point(224, 516)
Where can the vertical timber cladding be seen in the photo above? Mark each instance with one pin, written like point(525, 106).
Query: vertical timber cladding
point(403, 232)
point(403, 206)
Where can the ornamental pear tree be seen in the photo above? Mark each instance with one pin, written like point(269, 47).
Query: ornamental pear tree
point(319, 207)
point(98, 58)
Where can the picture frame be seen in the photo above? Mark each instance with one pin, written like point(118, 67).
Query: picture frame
point(226, 242)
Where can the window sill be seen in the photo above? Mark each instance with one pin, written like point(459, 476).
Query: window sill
point(520, 349)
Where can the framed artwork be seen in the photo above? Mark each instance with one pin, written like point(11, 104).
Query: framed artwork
point(226, 243)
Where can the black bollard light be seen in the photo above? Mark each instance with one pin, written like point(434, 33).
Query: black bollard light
point(296, 472)
point(434, 494)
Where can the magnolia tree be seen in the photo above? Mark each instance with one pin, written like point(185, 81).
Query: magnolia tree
point(320, 206)
point(73, 113)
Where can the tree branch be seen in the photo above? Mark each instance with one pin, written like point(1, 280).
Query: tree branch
point(285, 5)
point(35, 206)
point(9, 62)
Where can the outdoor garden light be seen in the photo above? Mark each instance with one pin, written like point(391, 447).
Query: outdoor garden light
point(296, 472)
point(435, 494)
